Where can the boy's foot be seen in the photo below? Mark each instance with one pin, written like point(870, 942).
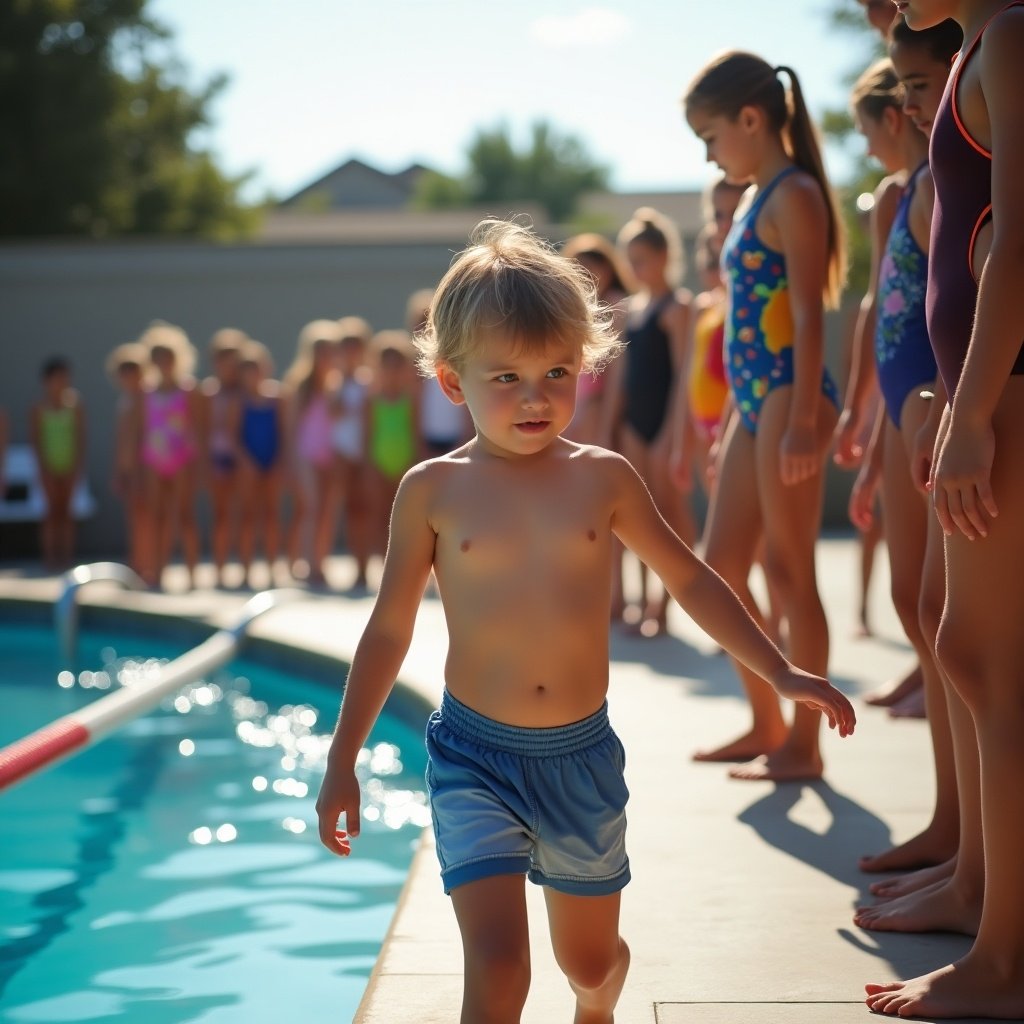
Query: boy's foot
point(892, 888)
point(784, 765)
point(752, 744)
point(972, 987)
point(925, 850)
point(895, 690)
point(939, 908)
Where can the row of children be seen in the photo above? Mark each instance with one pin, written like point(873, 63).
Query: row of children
point(939, 376)
point(519, 525)
point(333, 437)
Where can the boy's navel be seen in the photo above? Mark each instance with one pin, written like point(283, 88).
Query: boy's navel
point(591, 534)
point(465, 545)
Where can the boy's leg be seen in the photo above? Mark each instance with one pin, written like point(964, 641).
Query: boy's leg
point(496, 948)
point(589, 950)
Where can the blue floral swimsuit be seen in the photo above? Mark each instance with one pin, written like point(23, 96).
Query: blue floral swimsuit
point(903, 353)
point(759, 328)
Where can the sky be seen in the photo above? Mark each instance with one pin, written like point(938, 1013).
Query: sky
point(315, 82)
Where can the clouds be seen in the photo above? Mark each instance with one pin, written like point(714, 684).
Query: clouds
point(590, 27)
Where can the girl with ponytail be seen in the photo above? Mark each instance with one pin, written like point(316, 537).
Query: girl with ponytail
point(783, 262)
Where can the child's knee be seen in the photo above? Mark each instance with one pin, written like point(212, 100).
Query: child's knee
point(957, 647)
point(590, 970)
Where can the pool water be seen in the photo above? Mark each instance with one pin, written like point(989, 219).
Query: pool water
point(173, 873)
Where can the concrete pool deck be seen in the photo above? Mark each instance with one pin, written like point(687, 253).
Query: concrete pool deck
point(740, 905)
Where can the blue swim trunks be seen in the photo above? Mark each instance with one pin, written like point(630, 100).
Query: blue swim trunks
point(550, 803)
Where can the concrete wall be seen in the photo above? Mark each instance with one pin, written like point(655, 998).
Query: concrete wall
point(80, 300)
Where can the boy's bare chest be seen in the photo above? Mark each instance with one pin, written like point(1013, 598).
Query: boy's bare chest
point(495, 527)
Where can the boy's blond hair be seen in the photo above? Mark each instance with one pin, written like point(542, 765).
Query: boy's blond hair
point(510, 280)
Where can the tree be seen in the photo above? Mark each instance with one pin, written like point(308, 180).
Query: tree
point(96, 124)
point(837, 125)
point(553, 170)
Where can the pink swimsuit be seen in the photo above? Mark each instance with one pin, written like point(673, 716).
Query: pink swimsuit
point(313, 441)
point(167, 439)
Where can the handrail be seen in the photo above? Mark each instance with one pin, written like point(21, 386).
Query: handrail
point(74, 732)
point(65, 611)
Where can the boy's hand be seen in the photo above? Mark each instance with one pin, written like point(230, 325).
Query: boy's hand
point(819, 694)
point(339, 794)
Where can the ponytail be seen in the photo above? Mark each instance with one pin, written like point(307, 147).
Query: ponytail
point(735, 80)
point(805, 149)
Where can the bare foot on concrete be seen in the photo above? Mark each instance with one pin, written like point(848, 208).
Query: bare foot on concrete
point(783, 765)
point(925, 850)
point(896, 689)
point(746, 747)
point(972, 987)
point(914, 881)
point(941, 907)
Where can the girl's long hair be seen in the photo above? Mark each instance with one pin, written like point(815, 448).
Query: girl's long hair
point(736, 79)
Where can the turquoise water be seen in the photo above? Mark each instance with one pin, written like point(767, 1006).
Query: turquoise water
point(173, 873)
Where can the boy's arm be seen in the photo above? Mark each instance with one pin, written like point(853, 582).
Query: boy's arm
point(711, 603)
point(378, 656)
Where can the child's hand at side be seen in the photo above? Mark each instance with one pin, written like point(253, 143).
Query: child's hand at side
point(819, 694)
point(339, 794)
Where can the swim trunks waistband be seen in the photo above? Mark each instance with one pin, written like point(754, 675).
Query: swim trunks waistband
point(523, 740)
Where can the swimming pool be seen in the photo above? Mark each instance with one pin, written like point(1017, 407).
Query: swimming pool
point(173, 873)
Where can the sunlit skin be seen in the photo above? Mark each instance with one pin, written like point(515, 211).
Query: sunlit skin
point(895, 141)
point(978, 493)
point(933, 849)
point(517, 525)
point(770, 485)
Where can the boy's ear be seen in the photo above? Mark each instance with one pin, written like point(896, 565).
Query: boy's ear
point(450, 383)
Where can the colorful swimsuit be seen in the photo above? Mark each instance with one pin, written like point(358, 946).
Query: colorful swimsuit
point(759, 330)
point(167, 446)
point(706, 383)
point(962, 171)
point(903, 353)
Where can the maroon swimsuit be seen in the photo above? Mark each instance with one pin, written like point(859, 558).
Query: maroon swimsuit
point(962, 171)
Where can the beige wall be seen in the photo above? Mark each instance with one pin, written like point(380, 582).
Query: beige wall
point(80, 300)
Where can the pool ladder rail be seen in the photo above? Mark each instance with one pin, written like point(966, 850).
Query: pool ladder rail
point(80, 729)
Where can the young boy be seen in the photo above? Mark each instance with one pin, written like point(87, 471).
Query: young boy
point(525, 774)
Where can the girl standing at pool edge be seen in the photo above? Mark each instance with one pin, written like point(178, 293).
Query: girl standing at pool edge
point(783, 259)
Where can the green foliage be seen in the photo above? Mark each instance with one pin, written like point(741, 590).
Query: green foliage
point(837, 126)
point(553, 170)
point(96, 124)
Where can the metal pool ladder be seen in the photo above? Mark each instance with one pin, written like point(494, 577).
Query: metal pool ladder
point(74, 732)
